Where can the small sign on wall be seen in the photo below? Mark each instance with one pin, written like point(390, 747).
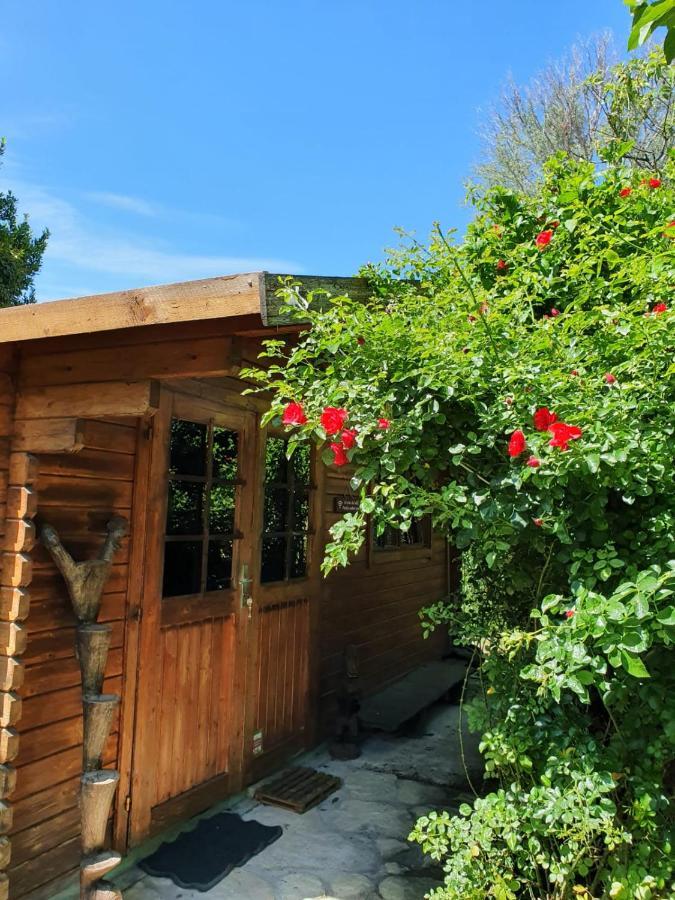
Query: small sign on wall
point(257, 743)
point(345, 504)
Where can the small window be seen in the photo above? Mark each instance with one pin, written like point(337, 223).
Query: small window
point(419, 535)
point(200, 519)
point(285, 512)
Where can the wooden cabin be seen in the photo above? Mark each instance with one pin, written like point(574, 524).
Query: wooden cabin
point(227, 646)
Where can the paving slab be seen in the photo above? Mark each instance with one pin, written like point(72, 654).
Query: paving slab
point(353, 845)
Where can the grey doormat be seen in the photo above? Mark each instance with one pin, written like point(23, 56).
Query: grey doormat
point(199, 859)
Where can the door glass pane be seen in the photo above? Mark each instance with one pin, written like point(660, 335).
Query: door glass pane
point(200, 509)
point(276, 509)
point(182, 568)
point(300, 512)
point(273, 559)
point(184, 514)
point(188, 448)
point(225, 451)
point(298, 555)
point(276, 464)
point(300, 462)
point(221, 512)
point(286, 504)
point(219, 574)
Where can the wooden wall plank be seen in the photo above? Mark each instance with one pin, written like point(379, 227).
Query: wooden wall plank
point(187, 358)
point(116, 398)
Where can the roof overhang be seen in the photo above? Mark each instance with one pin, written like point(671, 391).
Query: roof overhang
point(188, 301)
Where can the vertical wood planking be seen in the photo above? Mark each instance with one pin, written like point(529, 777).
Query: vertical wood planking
point(193, 737)
point(374, 605)
point(282, 694)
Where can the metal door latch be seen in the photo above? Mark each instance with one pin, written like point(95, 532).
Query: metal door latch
point(245, 590)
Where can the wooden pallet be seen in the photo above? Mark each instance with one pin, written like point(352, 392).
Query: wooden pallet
point(297, 788)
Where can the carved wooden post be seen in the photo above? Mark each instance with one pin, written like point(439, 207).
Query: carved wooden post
point(85, 582)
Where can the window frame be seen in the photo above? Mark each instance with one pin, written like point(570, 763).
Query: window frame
point(289, 533)
point(378, 555)
point(210, 422)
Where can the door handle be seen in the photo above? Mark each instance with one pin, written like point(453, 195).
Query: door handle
point(245, 590)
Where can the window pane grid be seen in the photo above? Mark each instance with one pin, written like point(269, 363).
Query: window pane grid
point(285, 512)
point(202, 493)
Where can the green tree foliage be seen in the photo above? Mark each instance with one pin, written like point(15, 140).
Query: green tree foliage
point(577, 106)
point(20, 252)
point(648, 16)
point(518, 387)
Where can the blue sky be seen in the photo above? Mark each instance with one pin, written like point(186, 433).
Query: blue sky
point(163, 140)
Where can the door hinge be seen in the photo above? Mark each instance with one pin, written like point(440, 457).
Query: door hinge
point(127, 803)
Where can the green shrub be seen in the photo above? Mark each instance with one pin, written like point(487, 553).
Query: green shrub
point(444, 388)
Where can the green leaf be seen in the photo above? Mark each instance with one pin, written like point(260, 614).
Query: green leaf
point(633, 665)
point(667, 617)
point(593, 462)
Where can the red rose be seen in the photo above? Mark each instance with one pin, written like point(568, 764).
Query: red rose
point(555, 312)
point(383, 424)
point(609, 378)
point(360, 341)
point(569, 613)
point(563, 434)
point(348, 438)
point(544, 418)
point(332, 419)
point(508, 401)
point(517, 443)
point(339, 455)
point(538, 522)
point(533, 462)
point(625, 192)
point(543, 239)
point(294, 414)
point(574, 372)
point(555, 224)
point(471, 318)
point(654, 183)
point(502, 265)
point(659, 308)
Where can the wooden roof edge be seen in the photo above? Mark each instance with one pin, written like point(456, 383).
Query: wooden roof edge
point(208, 298)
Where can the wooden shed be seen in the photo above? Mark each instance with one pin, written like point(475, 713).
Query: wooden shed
point(227, 646)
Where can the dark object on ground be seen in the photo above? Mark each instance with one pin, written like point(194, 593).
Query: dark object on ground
point(345, 750)
point(398, 702)
point(347, 737)
point(297, 788)
point(199, 859)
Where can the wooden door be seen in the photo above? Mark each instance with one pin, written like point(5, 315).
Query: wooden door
point(285, 593)
point(195, 634)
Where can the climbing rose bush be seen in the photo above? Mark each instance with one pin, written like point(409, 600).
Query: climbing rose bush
point(525, 375)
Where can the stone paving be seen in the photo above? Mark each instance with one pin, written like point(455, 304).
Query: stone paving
point(353, 845)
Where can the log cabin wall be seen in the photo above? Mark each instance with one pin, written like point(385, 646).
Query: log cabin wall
point(7, 395)
point(374, 605)
point(78, 494)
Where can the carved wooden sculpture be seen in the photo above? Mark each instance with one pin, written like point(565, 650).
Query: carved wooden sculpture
point(85, 582)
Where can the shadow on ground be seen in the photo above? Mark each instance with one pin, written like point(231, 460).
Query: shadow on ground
point(353, 845)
